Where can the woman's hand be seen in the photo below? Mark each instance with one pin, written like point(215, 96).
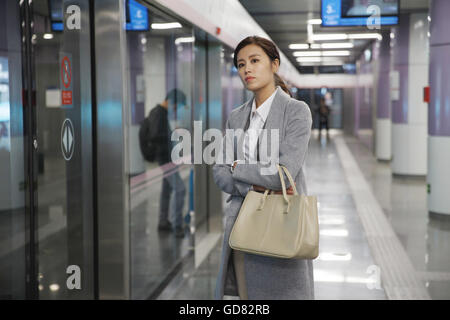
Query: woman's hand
point(289, 191)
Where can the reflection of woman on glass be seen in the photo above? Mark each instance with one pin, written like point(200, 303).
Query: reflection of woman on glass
point(247, 275)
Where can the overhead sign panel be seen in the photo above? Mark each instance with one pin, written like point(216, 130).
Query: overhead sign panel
point(137, 16)
point(347, 13)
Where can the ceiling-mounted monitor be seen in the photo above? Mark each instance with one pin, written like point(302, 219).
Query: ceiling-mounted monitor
point(56, 15)
point(349, 13)
point(136, 16)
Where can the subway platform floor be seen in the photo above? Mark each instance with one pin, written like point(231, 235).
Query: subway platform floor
point(377, 240)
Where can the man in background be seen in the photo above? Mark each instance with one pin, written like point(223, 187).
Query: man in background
point(156, 145)
point(324, 112)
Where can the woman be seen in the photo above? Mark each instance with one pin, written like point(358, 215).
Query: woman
point(247, 275)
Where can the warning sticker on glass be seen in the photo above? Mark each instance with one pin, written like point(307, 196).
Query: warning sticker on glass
point(66, 80)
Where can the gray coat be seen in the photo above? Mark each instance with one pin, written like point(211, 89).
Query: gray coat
point(266, 277)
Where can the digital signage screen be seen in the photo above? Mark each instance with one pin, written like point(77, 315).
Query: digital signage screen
point(137, 16)
point(56, 15)
point(347, 13)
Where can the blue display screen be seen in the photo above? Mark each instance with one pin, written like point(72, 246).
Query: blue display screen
point(57, 26)
point(339, 13)
point(137, 16)
point(56, 15)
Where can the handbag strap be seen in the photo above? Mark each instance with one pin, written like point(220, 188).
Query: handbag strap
point(291, 180)
point(283, 185)
point(263, 199)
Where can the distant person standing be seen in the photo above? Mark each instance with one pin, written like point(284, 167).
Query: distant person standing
point(324, 112)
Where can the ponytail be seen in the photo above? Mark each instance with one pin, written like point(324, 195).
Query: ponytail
point(280, 82)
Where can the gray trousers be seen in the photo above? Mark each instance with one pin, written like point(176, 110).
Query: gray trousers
point(173, 192)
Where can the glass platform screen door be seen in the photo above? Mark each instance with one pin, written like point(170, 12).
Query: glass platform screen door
point(46, 151)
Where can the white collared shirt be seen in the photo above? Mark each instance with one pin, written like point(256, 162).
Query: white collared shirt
point(258, 117)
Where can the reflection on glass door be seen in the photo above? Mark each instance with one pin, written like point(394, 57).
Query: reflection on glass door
point(12, 195)
point(159, 81)
point(62, 79)
point(201, 114)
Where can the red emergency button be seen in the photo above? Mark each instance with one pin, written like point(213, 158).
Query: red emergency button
point(426, 94)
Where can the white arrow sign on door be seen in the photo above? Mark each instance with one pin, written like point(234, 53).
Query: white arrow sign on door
point(67, 139)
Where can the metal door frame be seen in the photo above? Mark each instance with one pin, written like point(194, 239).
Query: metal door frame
point(30, 161)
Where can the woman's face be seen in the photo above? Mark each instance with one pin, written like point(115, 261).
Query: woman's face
point(255, 67)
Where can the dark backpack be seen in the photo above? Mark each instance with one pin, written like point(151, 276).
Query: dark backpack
point(146, 130)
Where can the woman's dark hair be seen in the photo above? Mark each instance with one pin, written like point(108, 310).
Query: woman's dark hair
point(270, 49)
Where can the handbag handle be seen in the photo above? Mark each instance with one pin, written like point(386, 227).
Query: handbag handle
point(263, 199)
point(283, 185)
point(291, 180)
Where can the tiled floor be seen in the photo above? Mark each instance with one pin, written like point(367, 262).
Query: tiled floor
point(425, 238)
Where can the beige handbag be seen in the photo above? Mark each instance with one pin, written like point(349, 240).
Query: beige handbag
point(275, 225)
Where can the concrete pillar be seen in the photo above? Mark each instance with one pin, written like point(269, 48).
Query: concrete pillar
point(383, 121)
point(438, 177)
point(409, 112)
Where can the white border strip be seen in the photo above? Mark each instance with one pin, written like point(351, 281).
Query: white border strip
point(204, 248)
point(399, 278)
